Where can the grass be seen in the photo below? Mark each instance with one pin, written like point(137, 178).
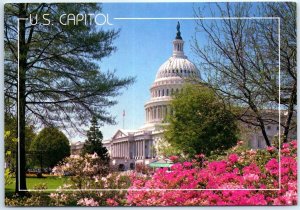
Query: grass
point(52, 182)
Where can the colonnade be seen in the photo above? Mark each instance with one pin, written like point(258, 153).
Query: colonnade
point(139, 149)
point(157, 113)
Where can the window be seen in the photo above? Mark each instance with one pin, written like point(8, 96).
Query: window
point(269, 127)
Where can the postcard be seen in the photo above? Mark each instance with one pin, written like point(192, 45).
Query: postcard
point(150, 104)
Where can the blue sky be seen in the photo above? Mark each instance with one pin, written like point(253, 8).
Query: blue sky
point(143, 45)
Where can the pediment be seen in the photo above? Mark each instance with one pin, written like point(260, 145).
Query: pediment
point(119, 134)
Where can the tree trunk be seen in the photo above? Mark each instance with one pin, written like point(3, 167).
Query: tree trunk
point(21, 188)
point(292, 102)
point(263, 130)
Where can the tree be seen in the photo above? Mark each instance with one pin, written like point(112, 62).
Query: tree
point(10, 141)
point(200, 122)
point(60, 82)
point(240, 60)
point(52, 144)
point(93, 144)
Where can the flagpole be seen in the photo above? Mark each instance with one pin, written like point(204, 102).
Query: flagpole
point(123, 118)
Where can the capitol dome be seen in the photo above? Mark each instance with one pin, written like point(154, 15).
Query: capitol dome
point(177, 66)
point(170, 77)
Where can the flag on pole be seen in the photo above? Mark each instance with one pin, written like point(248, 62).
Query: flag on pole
point(123, 118)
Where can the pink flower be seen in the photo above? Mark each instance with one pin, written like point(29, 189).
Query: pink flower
point(240, 182)
point(187, 164)
point(240, 143)
point(174, 158)
point(272, 166)
point(233, 158)
point(200, 156)
point(94, 156)
point(251, 177)
point(112, 202)
point(87, 202)
point(271, 149)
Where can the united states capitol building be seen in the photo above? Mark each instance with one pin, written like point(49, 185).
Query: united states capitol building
point(130, 147)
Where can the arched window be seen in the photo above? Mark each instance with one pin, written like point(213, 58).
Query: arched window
point(163, 93)
point(167, 92)
point(158, 93)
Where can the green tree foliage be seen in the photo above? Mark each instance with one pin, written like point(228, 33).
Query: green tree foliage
point(10, 140)
point(52, 144)
point(200, 123)
point(93, 144)
point(60, 81)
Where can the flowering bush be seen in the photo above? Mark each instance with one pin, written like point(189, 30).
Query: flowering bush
point(36, 198)
point(88, 176)
point(81, 169)
point(242, 178)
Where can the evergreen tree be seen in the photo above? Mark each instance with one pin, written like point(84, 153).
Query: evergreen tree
point(93, 144)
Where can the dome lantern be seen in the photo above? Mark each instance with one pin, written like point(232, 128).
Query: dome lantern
point(178, 44)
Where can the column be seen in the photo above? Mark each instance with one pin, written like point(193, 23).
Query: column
point(128, 150)
point(136, 149)
point(143, 149)
point(123, 149)
point(146, 114)
point(139, 146)
point(118, 150)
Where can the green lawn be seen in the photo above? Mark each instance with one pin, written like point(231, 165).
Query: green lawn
point(52, 182)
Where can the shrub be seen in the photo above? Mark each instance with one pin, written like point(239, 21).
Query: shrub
point(88, 176)
point(240, 170)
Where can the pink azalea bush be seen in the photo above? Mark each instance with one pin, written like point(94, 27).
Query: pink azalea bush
point(87, 175)
point(242, 178)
